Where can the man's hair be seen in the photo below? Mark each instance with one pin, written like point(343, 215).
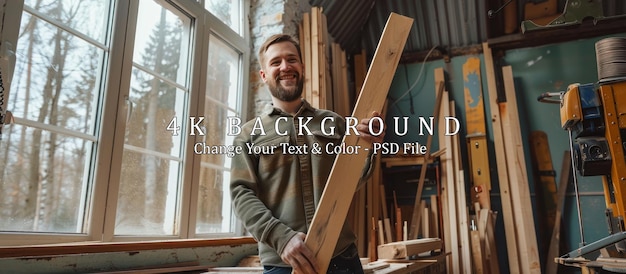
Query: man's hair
point(277, 38)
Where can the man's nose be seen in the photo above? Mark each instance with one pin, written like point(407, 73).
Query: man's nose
point(284, 65)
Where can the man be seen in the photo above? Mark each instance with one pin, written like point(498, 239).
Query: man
point(276, 188)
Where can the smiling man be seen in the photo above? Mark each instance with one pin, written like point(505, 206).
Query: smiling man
point(276, 194)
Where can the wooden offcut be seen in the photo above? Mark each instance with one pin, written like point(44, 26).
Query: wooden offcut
point(403, 249)
point(344, 176)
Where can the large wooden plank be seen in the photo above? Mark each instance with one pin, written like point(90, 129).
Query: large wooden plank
point(344, 176)
point(518, 178)
point(503, 175)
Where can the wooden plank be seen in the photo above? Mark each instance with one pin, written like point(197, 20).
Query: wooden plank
point(476, 138)
point(477, 252)
point(545, 186)
point(459, 180)
point(425, 221)
point(518, 178)
point(360, 70)
point(381, 232)
point(386, 220)
point(315, 58)
point(325, 79)
point(306, 48)
point(344, 176)
point(555, 241)
point(398, 212)
point(503, 176)
point(403, 249)
point(344, 89)
point(490, 243)
point(435, 213)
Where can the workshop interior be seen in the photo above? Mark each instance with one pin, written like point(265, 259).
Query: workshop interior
point(503, 152)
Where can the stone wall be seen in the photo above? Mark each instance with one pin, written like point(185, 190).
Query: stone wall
point(269, 17)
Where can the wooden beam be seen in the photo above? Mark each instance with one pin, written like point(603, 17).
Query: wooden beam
point(503, 175)
point(344, 176)
point(403, 249)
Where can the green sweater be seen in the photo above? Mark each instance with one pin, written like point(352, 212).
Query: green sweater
point(275, 193)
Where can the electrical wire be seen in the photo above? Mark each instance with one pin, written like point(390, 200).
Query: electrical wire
point(419, 76)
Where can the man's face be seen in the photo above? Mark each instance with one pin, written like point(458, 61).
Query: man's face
point(282, 71)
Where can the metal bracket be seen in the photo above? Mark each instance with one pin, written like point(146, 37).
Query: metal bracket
point(574, 13)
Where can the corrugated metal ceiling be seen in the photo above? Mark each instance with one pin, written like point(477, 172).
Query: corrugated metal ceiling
point(450, 24)
point(357, 24)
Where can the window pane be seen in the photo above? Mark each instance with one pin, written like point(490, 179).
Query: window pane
point(148, 195)
point(223, 78)
point(85, 16)
point(162, 41)
point(214, 210)
point(46, 167)
point(57, 77)
point(43, 180)
point(228, 11)
point(154, 105)
point(149, 199)
point(221, 102)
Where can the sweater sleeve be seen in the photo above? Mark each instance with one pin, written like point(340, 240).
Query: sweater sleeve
point(254, 214)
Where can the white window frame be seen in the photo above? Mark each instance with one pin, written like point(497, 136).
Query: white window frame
point(101, 218)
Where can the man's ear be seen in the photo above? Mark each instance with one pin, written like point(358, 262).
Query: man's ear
point(262, 73)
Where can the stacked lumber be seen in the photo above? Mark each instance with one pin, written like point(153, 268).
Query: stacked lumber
point(326, 71)
point(517, 213)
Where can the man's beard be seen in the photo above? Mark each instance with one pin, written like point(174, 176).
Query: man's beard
point(285, 95)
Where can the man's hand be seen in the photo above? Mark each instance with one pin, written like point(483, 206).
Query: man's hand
point(364, 129)
point(299, 256)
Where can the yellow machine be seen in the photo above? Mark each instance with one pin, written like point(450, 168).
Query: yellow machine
point(595, 117)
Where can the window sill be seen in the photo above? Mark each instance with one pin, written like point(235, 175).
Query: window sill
point(101, 247)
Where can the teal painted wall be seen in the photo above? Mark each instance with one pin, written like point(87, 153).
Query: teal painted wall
point(536, 70)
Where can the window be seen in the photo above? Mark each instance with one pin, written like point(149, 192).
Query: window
point(97, 89)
